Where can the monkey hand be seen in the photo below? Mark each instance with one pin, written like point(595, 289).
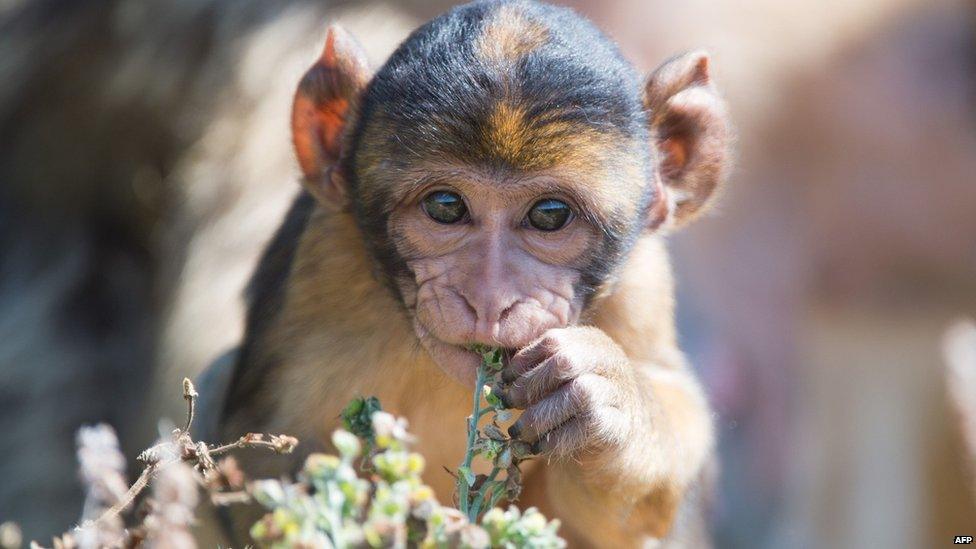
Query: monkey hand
point(581, 396)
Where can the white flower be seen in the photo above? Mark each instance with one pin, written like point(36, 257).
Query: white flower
point(347, 443)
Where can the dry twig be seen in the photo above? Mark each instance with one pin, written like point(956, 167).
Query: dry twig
point(172, 463)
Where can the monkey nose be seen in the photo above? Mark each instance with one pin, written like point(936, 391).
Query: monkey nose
point(488, 323)
point(486, 331)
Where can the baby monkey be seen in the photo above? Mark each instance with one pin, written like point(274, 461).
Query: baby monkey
point(504, 179)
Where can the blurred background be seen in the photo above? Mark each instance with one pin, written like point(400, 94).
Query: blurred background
point(145, 160)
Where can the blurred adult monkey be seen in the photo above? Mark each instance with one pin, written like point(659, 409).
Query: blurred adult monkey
point(502, 179)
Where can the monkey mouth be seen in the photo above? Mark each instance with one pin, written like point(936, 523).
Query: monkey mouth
point(457, 361)
point(425, 334)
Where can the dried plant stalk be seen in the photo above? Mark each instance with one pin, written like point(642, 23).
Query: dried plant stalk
point(171, 462)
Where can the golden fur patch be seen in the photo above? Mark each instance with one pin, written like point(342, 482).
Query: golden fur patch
point(510, 35)
point(530, 146)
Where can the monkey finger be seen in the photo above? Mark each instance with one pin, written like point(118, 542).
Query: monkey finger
point(529, 357)
point(535, 384)
point(539, 382)
point(563, 404)
point(554, 372)
point(599, 427)
point(562, 441)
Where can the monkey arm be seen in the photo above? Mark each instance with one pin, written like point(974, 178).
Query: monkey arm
point(681, 421)
point(616, 499)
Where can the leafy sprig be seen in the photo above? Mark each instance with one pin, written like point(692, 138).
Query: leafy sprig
point(478, 493)
point(332, 506)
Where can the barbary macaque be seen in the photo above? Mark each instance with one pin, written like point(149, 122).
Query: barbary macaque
point(504, 179)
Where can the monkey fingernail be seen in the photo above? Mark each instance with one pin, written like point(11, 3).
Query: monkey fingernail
point(514, 430)
point(538, 447)
point(502, 396)
point(522, 450)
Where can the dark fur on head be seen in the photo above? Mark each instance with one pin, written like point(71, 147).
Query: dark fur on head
point(548, 77)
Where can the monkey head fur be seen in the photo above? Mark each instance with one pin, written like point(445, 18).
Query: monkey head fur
point(493, 111)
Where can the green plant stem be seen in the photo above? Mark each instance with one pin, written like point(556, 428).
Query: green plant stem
point(472, 437)
point(479, 498)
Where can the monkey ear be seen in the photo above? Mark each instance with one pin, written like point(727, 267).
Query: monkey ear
point(321, 110)
point(690, 128)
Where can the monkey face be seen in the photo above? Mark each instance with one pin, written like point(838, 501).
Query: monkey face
point(499, 179)
point(490, 260)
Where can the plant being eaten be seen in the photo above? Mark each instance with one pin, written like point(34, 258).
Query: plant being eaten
point(333, 506)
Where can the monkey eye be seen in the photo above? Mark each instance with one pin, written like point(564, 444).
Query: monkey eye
point(445, 207)
point(549, 214)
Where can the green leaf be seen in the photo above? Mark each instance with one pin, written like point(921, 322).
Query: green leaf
point(495, 357)
point(357, 417)
point(493, 400)
point(497, 493)
point(466, 474)
point(492, 449)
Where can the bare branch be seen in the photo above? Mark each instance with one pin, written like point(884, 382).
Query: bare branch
point(190, 394)
point(280, 444)
point(161, 458)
